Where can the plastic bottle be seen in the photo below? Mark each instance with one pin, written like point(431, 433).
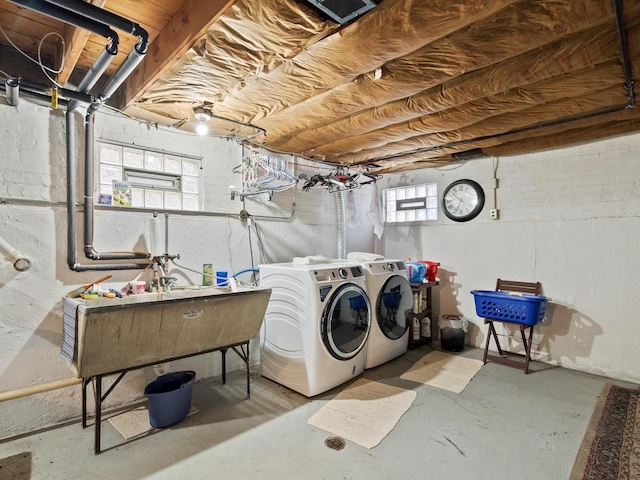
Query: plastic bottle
point(426, 326)
point(415, 331)
point(415, 303)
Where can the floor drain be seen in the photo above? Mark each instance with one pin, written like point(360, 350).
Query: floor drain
point(336, 443)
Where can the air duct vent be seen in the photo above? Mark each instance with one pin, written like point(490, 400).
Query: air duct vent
point(343, 11)
point(469, 154)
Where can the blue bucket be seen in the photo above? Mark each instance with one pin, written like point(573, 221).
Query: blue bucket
point(169, 398)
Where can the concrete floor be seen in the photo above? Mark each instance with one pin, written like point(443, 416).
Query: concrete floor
point(504, 425)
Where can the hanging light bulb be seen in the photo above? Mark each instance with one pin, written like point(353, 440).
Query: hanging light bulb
point(202, 129)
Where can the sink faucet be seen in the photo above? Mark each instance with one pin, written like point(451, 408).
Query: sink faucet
point(168, 283)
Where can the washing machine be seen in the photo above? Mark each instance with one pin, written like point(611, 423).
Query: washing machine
point(391, 296)
point(316, 325)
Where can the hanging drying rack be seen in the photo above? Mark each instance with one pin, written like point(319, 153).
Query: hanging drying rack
point(263, 174)
point(340, 179)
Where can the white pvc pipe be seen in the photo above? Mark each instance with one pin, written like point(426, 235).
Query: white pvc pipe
point(19, 261)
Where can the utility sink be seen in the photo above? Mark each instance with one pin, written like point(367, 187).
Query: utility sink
point(113, 334)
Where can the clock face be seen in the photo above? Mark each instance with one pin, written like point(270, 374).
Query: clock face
point(463, 200)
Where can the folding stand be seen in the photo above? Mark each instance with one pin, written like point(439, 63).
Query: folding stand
point(503, 358)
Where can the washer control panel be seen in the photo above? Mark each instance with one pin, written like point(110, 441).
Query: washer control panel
point(341, 273)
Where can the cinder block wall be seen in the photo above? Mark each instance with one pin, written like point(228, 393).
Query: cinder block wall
point(569, 218)
point(33, 220)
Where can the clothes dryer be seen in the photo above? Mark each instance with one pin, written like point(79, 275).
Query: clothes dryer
point(391, 296)
point(316, 325)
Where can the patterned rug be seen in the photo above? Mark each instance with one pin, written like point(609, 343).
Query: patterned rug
point(610, 449)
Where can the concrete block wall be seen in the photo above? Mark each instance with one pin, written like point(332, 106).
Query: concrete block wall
point(33, 220)
point(569, 218)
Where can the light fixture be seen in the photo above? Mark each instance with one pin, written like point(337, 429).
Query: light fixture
point(203, 116)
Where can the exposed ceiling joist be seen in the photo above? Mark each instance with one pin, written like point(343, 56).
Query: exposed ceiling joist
point(189, 23)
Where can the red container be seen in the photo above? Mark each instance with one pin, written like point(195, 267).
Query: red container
point(432, 269)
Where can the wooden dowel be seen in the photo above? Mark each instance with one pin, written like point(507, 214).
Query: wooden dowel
point(45, 387)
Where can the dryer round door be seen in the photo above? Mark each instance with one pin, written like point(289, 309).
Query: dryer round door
point(346, 321)
point(394, 300)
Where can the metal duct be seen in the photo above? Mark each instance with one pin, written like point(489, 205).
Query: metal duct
point(342, 226)
point(343, 11)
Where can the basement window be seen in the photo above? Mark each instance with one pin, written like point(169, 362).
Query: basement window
point(416, 203)
point(145, 178)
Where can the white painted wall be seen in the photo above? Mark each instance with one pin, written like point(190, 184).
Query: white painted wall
point(33, 168)
point(569, 218)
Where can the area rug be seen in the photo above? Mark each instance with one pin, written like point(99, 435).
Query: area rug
point(365, 412)
point(610, 449)
point(135, 422)
point(443, 370)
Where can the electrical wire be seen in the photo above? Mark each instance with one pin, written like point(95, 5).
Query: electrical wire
point(229, 243)
point(454, 167)
point(262, 254)
point(158, 126)
point(42, 67)
point(251, 249)
point(39, 60)
point(211, 275)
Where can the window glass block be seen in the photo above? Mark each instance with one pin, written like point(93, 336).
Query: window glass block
point(133, 158)
point(190, 185)
point(190, 167)
point(172, 164)
point(190, 202)
point(153, 198)
point(111, 154)
point(410, 203)
point(172, 200)
point(108, 173)
point(137, 197)
point(410, 192)
point(153, 161)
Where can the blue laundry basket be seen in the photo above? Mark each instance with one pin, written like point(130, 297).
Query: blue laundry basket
point(169, 398)
point(525, 309)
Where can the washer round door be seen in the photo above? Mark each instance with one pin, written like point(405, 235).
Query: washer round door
point(346, 321)
point(394, 300)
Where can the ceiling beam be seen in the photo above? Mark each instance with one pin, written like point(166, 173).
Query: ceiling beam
point(190, 22)
point(75, 39)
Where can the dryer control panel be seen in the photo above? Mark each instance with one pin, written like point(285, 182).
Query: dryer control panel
point(341, 273)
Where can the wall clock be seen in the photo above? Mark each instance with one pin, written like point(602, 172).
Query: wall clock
point(463, 200)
